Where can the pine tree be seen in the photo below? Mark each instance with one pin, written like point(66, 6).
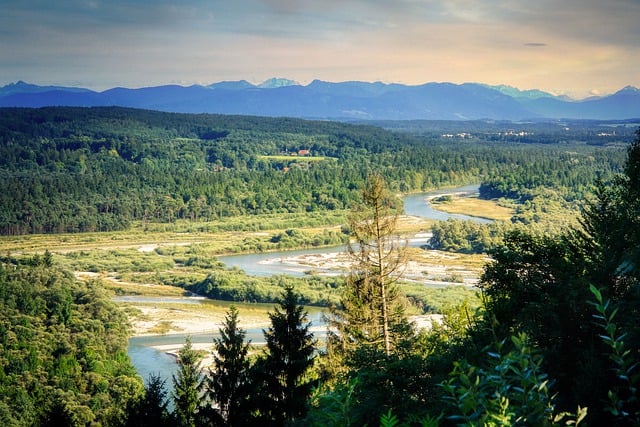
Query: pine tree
point(632, 197)
point(282, 371)
point(187, 386)
point(228, 386)
point(609, 240)
point(373, 313)
point(152, 409)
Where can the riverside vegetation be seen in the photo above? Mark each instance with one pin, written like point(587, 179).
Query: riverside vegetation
point(556, 317)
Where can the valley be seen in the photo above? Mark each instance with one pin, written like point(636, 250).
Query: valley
point(129, 235)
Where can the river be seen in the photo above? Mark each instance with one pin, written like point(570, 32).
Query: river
point(149, 353)
point(418, 205)
point(271, 263)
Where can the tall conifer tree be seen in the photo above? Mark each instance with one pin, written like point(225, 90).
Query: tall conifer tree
point(228, 385)
point(187, 386)
point(283, 370)
point(373, 313)
point(152, 410)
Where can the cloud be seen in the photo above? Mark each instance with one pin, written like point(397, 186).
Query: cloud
point(412, 41)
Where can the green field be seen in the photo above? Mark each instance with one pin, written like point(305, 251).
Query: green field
point(290, 158)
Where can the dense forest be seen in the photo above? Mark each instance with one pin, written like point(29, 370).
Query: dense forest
point(63, 349)
point(99, 169)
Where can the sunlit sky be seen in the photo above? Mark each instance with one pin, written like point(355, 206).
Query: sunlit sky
point(573, 47)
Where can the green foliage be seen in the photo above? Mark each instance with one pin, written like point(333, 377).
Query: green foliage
point(62, 348)
point(234, 285)
point(512, 390)
point(468, 237)
point(534, 286)
point(151, 410)
point(373, 311)
point(292, 238)
point(623, 397)
point(569, 172)
point(389, 420)
point(282, 372)
point(62, 344)
point(539, 285)
point(188, 384)
point(228, 382)
point(331, 405)
point(100, 169)
point(401, 382)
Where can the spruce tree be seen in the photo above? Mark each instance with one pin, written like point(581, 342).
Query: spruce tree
point(152, 409)
point(370, 338)
point(228, 385)
point(284, 385)
point(373, 312)
point(187, 386)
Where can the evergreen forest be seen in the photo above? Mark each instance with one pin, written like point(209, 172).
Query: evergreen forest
point(554, 339)
point(100, 169)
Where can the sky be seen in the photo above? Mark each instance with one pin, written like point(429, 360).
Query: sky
point(567, 47)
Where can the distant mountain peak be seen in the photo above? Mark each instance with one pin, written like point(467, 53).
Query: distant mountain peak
point(341, 100)
point(629, 89)
point(276, 82)
point(514, 92)
point(231, 85)
point(23, 87)
point(19, 86)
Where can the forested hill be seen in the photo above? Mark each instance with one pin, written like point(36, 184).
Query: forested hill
point(66, 169)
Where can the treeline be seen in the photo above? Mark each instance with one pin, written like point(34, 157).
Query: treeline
point(591, 132)
point(63, 349)
point(235, 285)
point(570, 174)
point(469, 237)
point(547, 195)
point(99, 169)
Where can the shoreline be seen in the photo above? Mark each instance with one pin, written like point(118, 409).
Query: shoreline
point(422, 322)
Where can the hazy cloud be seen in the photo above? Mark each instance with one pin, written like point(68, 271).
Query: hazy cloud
point(592, 43)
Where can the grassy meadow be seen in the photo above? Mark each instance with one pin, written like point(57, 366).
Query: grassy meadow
point(489, 209)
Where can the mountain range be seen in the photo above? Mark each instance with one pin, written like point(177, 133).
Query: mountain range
point(351, 100)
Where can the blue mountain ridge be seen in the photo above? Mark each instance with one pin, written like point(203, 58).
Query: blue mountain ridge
point(340, 101)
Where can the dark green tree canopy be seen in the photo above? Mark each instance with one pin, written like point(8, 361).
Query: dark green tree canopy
point(188, 384)
point(284, 384)
point(229, 383)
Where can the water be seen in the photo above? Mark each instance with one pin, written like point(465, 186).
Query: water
point(271, 263)
point(147, 361)
point(150, 354)
point(417, 205)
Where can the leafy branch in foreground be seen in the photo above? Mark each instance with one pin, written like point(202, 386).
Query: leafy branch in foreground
point(623, 400)
point(512, 390)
